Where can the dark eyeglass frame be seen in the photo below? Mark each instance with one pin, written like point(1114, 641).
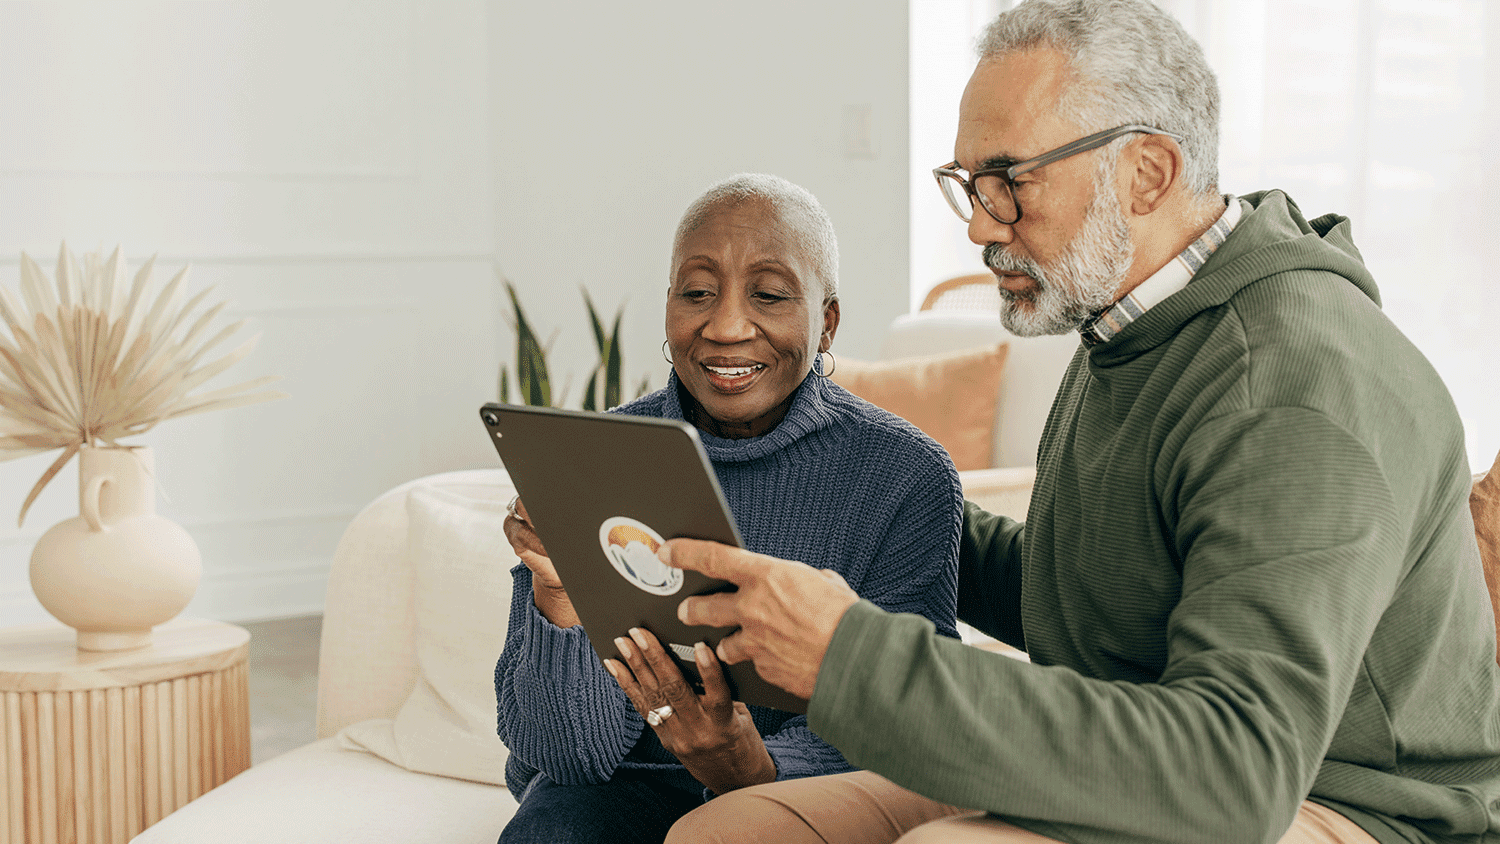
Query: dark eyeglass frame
point(1007, 175)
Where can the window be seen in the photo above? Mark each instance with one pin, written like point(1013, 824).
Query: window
point(1375, 109)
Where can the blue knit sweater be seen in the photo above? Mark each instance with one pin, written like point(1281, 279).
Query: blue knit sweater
point(838, 483)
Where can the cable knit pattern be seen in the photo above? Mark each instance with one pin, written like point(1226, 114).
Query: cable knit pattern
point(840, 484)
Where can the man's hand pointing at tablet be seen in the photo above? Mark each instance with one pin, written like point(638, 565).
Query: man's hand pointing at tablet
point(786, 611)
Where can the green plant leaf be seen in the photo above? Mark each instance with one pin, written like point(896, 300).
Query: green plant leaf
point(612, 364)
point(590, 395)
point(609, 352)
point(594, 321)
point(588, 391)
point(531, 359)
point(536, 389)
point(504, 384)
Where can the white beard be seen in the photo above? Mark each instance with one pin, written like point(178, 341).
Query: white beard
point(1079, 283)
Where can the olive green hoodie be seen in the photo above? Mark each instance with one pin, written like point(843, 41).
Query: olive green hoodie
point(1248, 575)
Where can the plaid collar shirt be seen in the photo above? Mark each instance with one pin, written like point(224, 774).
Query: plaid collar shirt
point(1164, 282)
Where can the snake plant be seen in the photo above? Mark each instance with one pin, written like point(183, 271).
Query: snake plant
point(603, 389)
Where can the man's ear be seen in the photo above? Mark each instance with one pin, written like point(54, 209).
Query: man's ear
point(830, 324)
point(1156, 168)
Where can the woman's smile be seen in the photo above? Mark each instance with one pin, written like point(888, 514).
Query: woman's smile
point(732, 379)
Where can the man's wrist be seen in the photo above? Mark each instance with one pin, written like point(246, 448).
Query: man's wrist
point(831, 671)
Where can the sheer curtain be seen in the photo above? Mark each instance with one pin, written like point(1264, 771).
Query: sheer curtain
point(1376, 109)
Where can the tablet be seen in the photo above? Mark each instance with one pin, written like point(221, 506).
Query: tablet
point(603, 492)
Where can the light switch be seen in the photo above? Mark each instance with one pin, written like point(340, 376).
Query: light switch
point(859, 130)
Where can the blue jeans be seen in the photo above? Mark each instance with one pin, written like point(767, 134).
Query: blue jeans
point(629, 809)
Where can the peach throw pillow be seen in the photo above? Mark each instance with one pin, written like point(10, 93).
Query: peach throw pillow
point(951, 397)
point(1484, 504)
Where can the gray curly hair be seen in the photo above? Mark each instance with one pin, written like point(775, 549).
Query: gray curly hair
point(1132, 63)
point(790, 202)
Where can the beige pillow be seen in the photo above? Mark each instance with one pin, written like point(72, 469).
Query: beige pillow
point(1484, 504)
point(462, 559)
point(952, 396)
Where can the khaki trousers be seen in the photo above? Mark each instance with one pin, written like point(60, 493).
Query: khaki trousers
point(864, 808)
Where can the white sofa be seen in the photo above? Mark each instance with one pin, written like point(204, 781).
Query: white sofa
point(1032, 370)
point(414, 620)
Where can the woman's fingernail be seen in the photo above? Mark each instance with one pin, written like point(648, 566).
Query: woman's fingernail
point(664, 553)
point(702, 654)
point(638, 636)
point(609, 665)
point(623, 644)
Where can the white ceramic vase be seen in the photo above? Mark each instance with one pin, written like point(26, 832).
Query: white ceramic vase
point(117, 569)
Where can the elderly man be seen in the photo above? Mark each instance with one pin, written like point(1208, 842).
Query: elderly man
point(1248, 586)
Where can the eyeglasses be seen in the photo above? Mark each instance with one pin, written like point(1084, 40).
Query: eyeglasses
point(994, 186)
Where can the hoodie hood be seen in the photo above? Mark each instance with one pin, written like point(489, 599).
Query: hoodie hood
point(1272, 237)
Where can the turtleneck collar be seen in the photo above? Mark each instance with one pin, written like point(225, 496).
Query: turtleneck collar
point(809, 412)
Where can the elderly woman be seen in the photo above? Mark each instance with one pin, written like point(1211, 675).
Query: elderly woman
point(809, 471)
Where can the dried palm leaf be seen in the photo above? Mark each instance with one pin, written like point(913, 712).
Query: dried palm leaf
point(88, 362)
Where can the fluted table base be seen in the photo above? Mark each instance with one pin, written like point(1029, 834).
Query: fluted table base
point(98, 746)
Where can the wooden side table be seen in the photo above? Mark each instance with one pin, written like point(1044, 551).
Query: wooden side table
point(99, 746)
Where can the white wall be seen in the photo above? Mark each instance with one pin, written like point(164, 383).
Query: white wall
point(609, 118)
point(943, 35)
point(324, 165)
point(353, 174)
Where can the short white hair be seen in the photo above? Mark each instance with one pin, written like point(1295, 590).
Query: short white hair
point(1132, 63)
point(807, 223)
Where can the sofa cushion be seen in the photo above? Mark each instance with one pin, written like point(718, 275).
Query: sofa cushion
point(1006, 491)
point(1484, 505)
point(1034, 367)
point(321, 792)
point(447, 724)
point(950, 396)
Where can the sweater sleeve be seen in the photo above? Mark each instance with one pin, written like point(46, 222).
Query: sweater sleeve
point(989, 574)
point(914, 569)
point(558, 710)
point(1290, 548)
point(799, 753)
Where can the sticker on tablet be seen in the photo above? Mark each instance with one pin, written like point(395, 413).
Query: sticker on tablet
point(631, 548)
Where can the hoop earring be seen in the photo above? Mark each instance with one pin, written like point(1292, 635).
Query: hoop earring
point(829, 373)
point(664, 354)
